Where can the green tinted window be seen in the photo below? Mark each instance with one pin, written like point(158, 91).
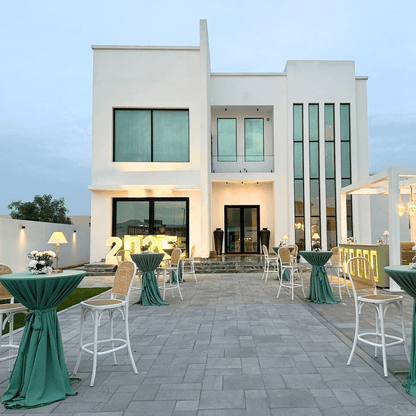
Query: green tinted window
point(330, 197)
point(254, 139)
point(329, 122)
point(170, 136)
point(329, 160)
point(132, 136)
point(151, 135)
point(299, 197)
point(345, 122)
point(314, 160)
point(227, 139)
point(313, 122)
point(298, 122)
point(315, 197)
point(298, 160)
point(345, 160)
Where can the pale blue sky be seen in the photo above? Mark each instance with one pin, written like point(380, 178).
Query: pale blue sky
point(46, 71)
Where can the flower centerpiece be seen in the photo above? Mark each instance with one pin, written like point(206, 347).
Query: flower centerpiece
point(41, 261)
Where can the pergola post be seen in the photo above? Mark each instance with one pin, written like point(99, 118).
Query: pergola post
point(394, 224)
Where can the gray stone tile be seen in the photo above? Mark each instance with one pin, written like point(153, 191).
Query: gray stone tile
point(244, 382)
point(151, 408)
point(290, 398)
point(231, 399)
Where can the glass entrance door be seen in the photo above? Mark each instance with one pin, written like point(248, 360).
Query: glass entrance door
point(242, 224)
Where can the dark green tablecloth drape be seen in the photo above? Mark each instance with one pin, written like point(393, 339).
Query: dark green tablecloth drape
point(405, 277)
point(40, 375)
point(179, 273)
point(147, 263)
point(320, 289)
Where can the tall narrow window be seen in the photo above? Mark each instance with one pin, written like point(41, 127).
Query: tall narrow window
point(227, 139)
point(346, 160)
point(298, 175)
point(330, 169)
point(254, 139)
point(314, 168)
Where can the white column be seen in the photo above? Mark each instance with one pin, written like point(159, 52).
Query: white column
point(343, 211)
point(394, 224)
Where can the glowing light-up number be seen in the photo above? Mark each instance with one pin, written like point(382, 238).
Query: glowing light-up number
point(111, 258)
point(132, 243)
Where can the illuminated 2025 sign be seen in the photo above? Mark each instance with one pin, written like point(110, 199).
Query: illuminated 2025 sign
point(134, 243)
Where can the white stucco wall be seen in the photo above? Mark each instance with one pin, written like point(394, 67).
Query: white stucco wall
point(16, 243)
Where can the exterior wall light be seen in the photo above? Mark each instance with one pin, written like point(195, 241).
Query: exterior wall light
point(242, 183)
point(226, 183)
point(23, 227)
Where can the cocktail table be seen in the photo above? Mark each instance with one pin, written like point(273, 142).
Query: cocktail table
point(40, 375)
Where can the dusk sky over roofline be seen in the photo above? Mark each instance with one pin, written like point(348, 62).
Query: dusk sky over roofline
point(46, 93)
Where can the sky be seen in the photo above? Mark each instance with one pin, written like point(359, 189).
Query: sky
point(47, 62)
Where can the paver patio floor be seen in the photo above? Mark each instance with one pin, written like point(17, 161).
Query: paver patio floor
point(231, 348)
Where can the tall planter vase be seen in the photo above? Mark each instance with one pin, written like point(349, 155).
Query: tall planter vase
point(218, 236)
point(265, 237)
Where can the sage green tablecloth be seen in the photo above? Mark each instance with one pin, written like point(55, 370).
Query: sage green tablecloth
point(169, 252)
point(40, 375)
point(286, 274)
point(405, 277)
point(147, 263)
point(320, 289)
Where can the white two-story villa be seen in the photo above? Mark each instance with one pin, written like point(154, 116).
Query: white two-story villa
point(180, 151)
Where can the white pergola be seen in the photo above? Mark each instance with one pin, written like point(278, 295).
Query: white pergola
point(392, 182)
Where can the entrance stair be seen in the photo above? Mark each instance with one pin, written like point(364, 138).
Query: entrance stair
point(220, 264)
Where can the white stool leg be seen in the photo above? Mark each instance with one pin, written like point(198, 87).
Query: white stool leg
point(81, 336)
point(112, 334)
point(357, 327)
point(94, 361)
point(126, 318)
point(383, 339)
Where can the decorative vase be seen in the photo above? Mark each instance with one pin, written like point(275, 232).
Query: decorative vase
point(218, 236)
point(265, 237)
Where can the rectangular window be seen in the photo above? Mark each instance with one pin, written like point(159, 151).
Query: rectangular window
point(315, 201)
point(329, 122)
point(254, 139)
point(227, 139)
point(345, 126)
point(152, 216)
point(151, 135)
point(298, 176)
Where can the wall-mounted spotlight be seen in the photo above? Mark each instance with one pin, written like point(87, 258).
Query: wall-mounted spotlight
point(226, 183)
point(257, 183)
point(23, 227)
point(242, 183)
point(225, 109)
point(75, 231)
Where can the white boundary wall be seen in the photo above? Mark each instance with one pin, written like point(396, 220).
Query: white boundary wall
point(16, 243)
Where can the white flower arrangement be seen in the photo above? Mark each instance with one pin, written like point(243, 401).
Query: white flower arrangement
point(41, 261)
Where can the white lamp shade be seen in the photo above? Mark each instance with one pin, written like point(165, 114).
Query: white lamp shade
point(285, 237)
point(57, 238)
point(315, 235)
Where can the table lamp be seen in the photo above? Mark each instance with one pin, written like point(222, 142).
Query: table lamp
point(285, 238)
point(57, 238)
point(316, 241)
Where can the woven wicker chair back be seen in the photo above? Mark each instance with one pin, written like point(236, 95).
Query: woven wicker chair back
point(284, 254)
point(361, 275)
point(4, 293)
point(176, 255)
point(336, 257)
point(265, 252)
point(123, 255)
point(123, 278)
point(294, 248)
point(192, 252)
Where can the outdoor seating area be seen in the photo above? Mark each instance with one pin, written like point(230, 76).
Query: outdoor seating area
point(231, 338)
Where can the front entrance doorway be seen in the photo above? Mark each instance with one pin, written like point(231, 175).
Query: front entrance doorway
point(242, 225)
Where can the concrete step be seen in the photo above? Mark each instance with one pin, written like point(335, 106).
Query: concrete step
point(203, 266)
